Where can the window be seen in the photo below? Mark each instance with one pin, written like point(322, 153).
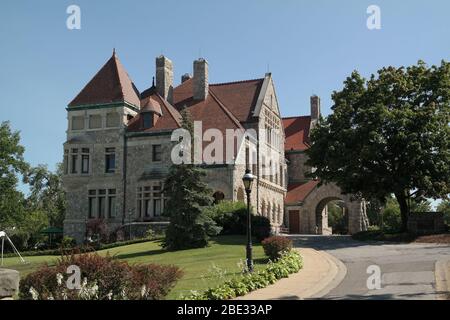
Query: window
point(110, 160)
point(92, 200)
point(95, 121)
point(85, 160)
point(156, 152)
point(147, 120)
point(74, 165)
point(112, 120)
point(150, 200)
point(111, 203)
point(77, 123)
point(101, 203)
point(66, 161)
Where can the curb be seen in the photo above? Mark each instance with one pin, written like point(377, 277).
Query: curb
point(339, 275)
point(442, 275)
point(321, 273)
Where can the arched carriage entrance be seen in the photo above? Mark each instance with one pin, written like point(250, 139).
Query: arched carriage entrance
point(312, 214)
point(332, 216)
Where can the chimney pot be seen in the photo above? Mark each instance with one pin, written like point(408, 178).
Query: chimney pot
point(185, 77)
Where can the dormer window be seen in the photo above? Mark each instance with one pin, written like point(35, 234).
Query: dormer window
point(147, 120)
point(150, 112)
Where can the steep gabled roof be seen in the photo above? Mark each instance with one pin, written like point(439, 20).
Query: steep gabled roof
point(239, 97)
point(110, 84)
point(296, 130)
point(298, 192)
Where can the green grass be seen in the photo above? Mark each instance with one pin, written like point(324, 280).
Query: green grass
point(224, 252)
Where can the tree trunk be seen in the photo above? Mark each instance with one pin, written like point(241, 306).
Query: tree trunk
point(404, 210)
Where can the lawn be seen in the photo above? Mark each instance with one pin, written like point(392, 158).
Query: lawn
point(202, 268)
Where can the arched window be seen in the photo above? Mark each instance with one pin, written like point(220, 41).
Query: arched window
point(218, 197)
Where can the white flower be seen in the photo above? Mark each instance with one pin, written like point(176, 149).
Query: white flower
point(144, 291)
point(34, 293)
point(59, 278)
point(109, 295)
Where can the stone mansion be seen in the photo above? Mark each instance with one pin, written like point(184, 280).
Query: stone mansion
point(119, 145)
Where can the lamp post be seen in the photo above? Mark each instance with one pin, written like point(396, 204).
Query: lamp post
point(248, 181)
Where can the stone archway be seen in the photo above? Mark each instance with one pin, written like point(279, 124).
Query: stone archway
point(313, 212)
point(218, 197)
point(322, 216)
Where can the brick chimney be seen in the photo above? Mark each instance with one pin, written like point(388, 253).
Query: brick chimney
point(200, 79)
point(315, 107)
point(164, 78)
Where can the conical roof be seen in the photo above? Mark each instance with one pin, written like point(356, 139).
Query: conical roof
point(110, 84)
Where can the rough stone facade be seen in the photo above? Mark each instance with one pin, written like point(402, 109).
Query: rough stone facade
point(118, 150)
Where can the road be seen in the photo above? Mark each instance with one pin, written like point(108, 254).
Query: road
point(407, 270)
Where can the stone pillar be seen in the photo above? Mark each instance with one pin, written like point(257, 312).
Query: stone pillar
point(9, 283)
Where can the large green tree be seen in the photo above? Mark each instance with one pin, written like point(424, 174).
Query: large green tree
point(47, 194)
point(188, 195)
point(388, 135)
point(444, 207)
point(12, 166)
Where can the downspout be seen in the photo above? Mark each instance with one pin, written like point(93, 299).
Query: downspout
point(124, 176)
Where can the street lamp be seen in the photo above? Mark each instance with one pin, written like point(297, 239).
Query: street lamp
point(248, 181)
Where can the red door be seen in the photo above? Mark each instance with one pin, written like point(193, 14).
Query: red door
point(294, 221)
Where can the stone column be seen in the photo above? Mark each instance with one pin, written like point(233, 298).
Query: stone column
point(9, 283)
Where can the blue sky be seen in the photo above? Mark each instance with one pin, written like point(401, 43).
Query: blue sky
point(309, 46)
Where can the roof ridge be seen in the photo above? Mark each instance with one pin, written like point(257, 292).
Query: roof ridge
point(234, 82)
point(292, 117)
point(169, 108)
point(225, 109)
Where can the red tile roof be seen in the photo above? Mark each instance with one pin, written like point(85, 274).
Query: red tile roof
point(296, 130)
point(298, 192)
point(238, 97)
point(110, 84)
point(170, 119)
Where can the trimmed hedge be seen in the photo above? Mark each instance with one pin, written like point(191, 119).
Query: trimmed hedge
point(83, 248)
point(232, 217)
point(103, 278)
point(275, 246)
point(289, 262)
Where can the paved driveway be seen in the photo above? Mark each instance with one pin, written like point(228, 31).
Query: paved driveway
point(407, 270)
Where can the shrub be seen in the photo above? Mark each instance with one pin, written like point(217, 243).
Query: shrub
point(288, 263)
point(275, 246)
point(232, 217)
point(103, 278)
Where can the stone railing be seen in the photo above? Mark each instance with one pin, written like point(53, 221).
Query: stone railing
point(9, 283)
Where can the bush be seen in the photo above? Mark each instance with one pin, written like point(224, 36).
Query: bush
point(232, 217)
point(288, 263)
point(275, 246)
point(103, 278)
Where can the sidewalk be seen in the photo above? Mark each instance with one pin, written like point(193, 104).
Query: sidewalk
point(442, 274)
point(321, 272)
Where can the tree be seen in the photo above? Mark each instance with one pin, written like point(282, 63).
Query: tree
point(388, 135)
point(12, 164)
point(444, 207)
point(47, 194)
point(187, 195)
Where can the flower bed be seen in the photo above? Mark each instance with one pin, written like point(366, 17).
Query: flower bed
point(102, 278)
point(289, 262)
